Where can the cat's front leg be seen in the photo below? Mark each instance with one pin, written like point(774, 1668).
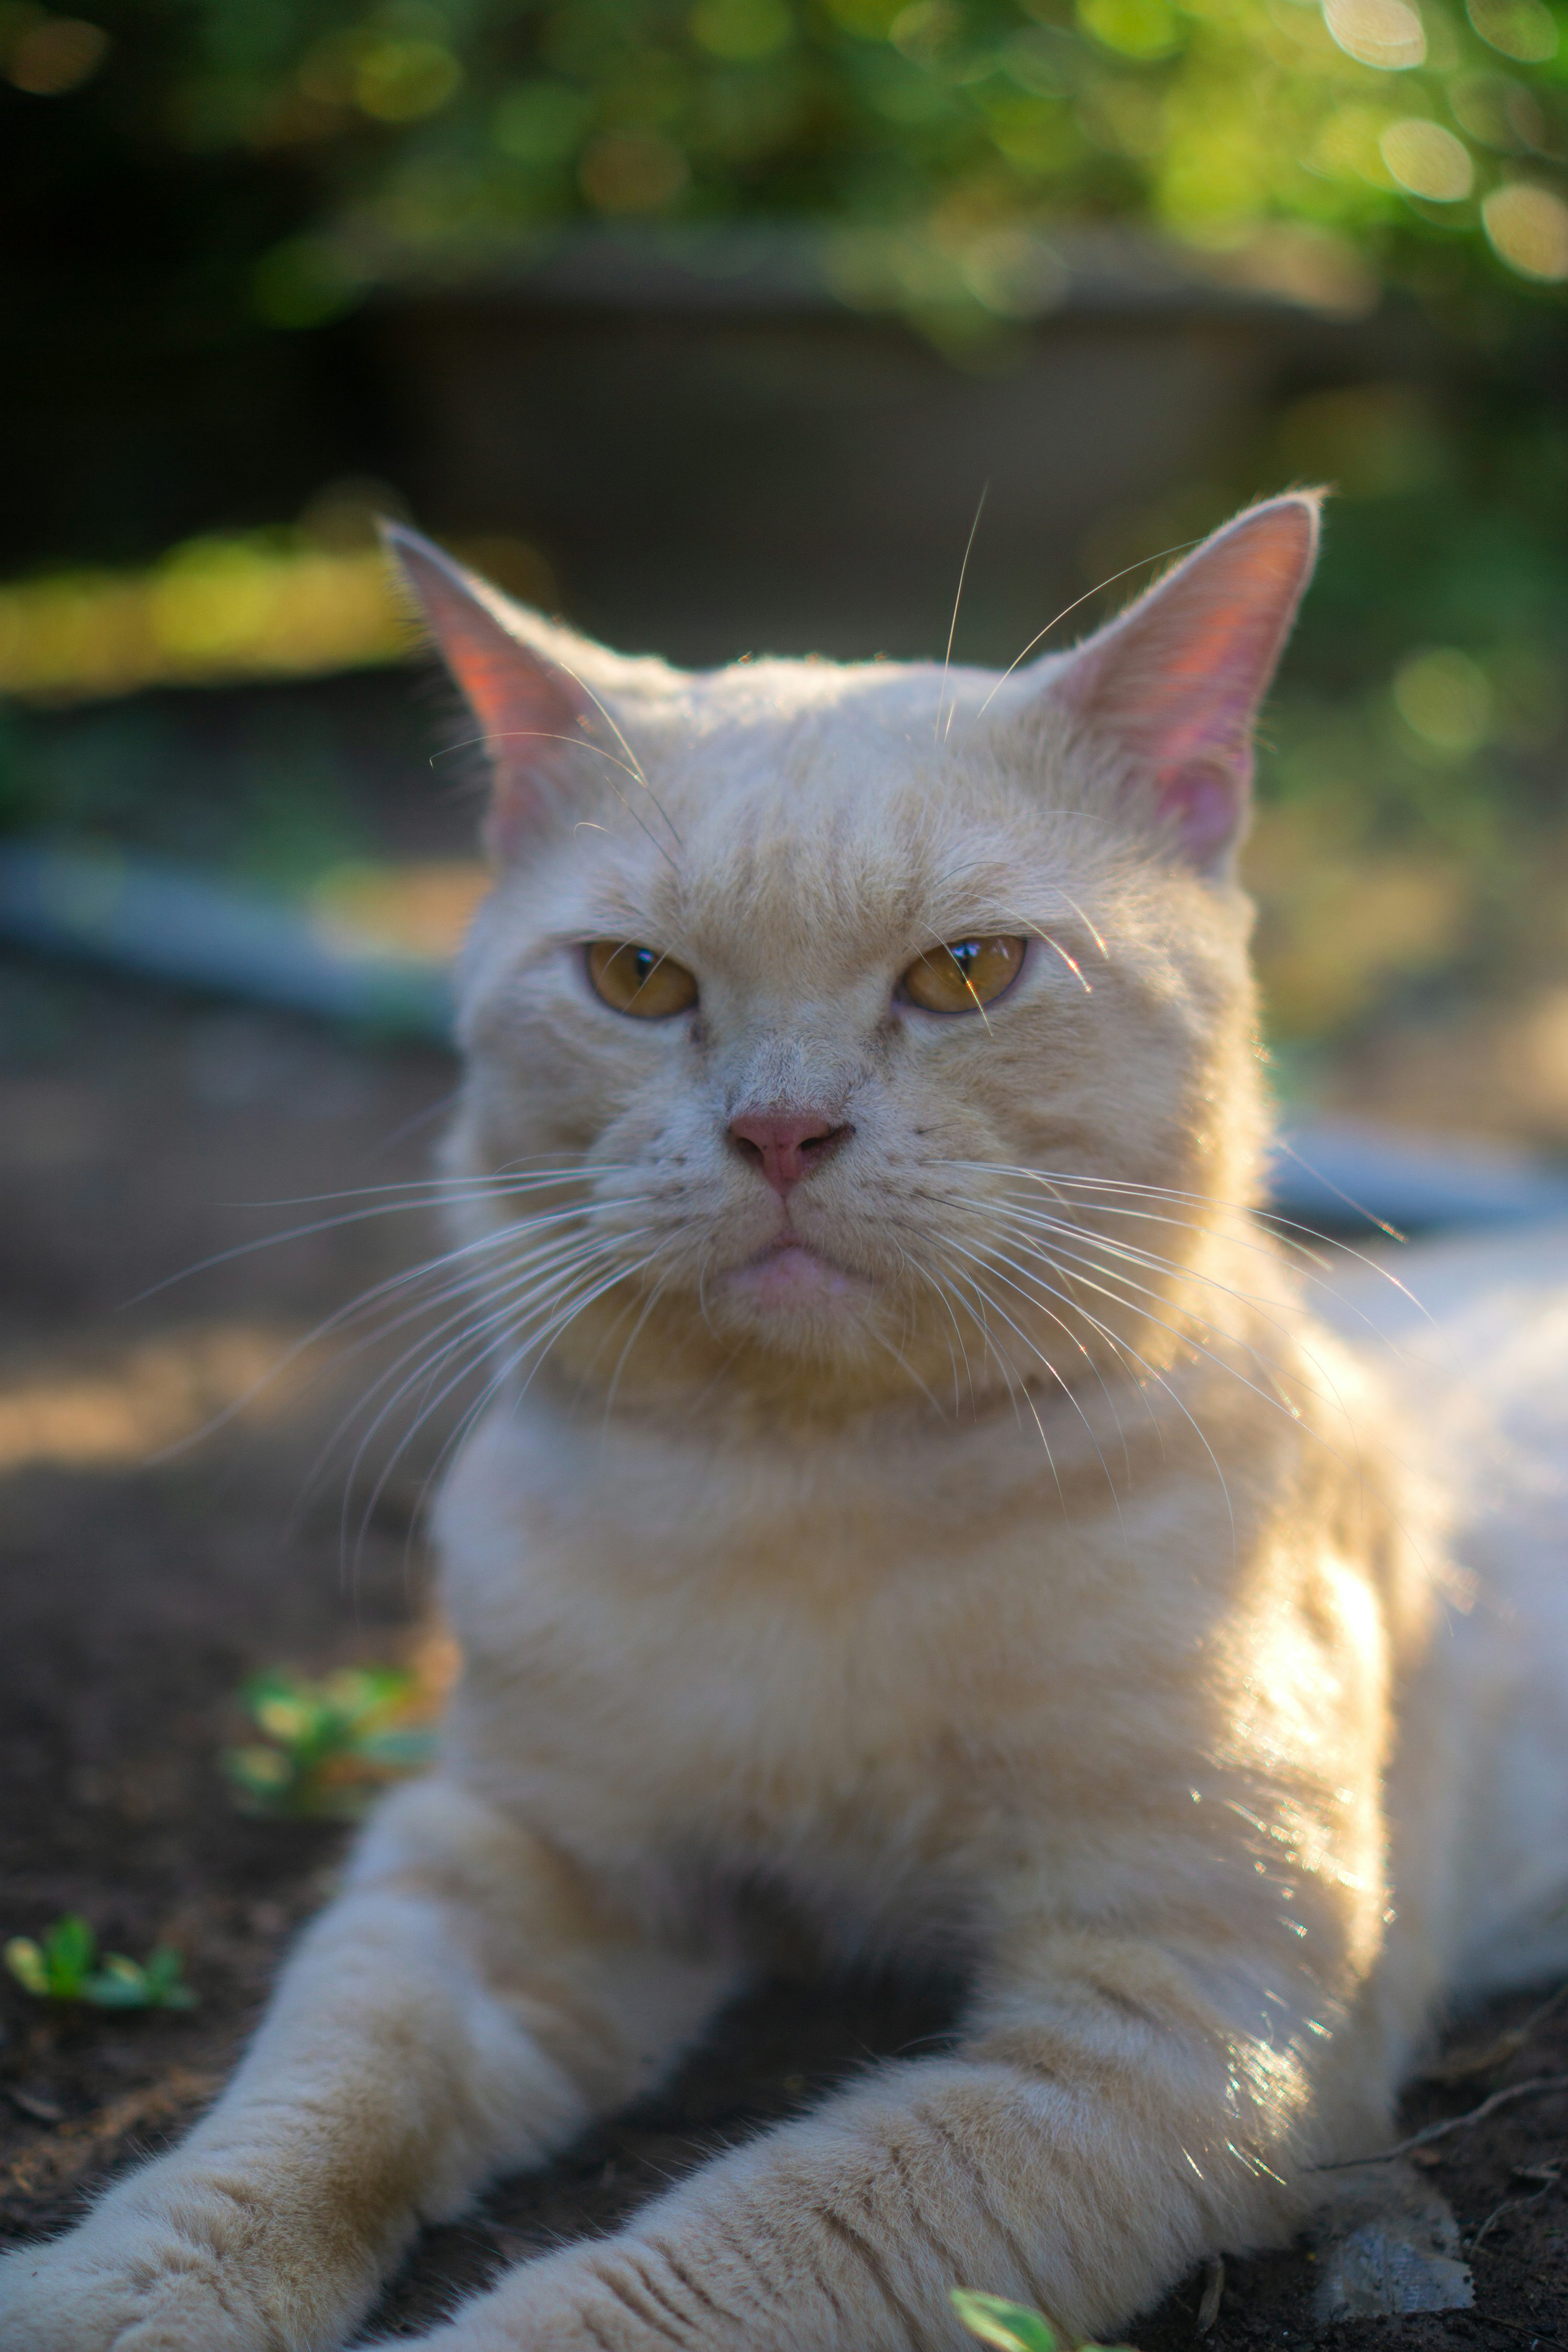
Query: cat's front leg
point(466, 2005)
point(1094, 2140)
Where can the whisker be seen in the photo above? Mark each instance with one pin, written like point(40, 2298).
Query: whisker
point(1056, 947)
point(1088, 927)
point(1192, 1270)
point(532, 1271)
point(585, 744)
point(1270, 1219)
point(921, 1272)
point(1150, 1261)
point(557, 1316)
point(1096, 591)
point(1183, 1338)
point(1381, 1222)
point(952, 626)
point(341, 1317)
point(1066, 1388)
point(652, 1301)
point(1065, 1385)
point(1015, 1386)
point(1266, 1368)
point(429, 1198)
point(544, 1272)
point(1125, 1346)
point(509, 1173)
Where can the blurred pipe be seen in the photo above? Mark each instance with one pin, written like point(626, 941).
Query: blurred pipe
point(132, 916)
point(1338, 1173)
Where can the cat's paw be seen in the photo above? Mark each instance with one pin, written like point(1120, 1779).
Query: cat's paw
point(147, 2289)
point(570, 2302)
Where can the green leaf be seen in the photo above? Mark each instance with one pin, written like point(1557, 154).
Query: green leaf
point(165, 1977)
point(118, 1984)
point(405, 1751)
point(63, 1968)
point(261, 1772)
point(70, 1949)
point(27, 1965)
point(1010, 2326)
point(329, 1742)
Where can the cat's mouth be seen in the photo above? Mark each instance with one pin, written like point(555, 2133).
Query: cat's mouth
point(790, 1274)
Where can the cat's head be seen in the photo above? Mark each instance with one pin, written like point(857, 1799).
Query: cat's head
point(826, 1024)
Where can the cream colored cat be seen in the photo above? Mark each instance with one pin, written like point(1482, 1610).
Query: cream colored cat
point(912, 1484)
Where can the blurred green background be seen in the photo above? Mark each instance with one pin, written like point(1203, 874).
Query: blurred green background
point(707, 323)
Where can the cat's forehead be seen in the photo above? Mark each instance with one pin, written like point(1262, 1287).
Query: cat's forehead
point(813, 804)
point(769, 751)
point(848, 698)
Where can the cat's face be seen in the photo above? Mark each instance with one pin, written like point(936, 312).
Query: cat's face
point(813, 991)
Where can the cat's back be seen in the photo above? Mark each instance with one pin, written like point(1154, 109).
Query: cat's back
point(1470, 1339)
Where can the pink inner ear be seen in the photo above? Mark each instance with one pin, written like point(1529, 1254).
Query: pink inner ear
point(529, 710)
point(1178, 680)
point(529, 713)
point(1204, 805)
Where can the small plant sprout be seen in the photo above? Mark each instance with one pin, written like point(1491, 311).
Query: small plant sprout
point(68, 1967)
point(328, 1745)
point(1012, 2326)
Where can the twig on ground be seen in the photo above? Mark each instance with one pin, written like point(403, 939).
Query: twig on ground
point(1536, 2335)
point(1549, 2175)
point(1537, 2087)
point(1465, 2063)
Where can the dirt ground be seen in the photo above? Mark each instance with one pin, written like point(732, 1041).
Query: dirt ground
point(138, 1592)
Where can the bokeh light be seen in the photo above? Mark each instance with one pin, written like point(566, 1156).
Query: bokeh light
point(1444, 697)
point(1385, 34)
point(1527, 227)
point(1428, 161)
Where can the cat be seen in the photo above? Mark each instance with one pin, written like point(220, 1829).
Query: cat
point(915, 1484)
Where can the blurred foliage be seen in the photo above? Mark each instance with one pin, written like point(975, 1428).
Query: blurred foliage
point(258, 604)
point(1321, 142)
point(1010, 2326)
point(300, 600)
point(328, 1745)
point(1411, 845)
point(191, 177)
point(141, 774)
point(66, 1966)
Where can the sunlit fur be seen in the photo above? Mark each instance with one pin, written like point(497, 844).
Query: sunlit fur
point(821, 832)
point(1009, 1571)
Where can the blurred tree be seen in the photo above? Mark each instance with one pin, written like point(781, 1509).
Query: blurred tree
point(306, 150)
point(198, 194)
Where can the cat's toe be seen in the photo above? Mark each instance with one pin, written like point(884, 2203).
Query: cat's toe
point(67, 2297)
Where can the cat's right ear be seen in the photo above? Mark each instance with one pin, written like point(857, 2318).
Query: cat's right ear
point(529, 708)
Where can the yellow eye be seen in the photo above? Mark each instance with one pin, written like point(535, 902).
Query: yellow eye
point(639, 980)
point(963, 975)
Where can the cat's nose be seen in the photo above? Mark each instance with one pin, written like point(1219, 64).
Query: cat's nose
point(785, 1150)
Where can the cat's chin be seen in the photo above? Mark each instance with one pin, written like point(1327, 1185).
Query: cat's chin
point(791, 1279)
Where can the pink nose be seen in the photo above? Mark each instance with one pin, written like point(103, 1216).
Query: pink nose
point(785, 1150)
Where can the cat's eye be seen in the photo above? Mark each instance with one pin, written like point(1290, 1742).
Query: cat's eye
point(639, 980)
point(963, 975)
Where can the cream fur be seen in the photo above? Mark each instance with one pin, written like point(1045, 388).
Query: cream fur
point(1092, 1627)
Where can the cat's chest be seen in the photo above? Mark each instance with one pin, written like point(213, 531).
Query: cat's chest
point(859, 1698)
point(833, 1753)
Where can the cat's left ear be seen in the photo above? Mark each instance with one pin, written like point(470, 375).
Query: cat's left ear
point(1175, 682)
